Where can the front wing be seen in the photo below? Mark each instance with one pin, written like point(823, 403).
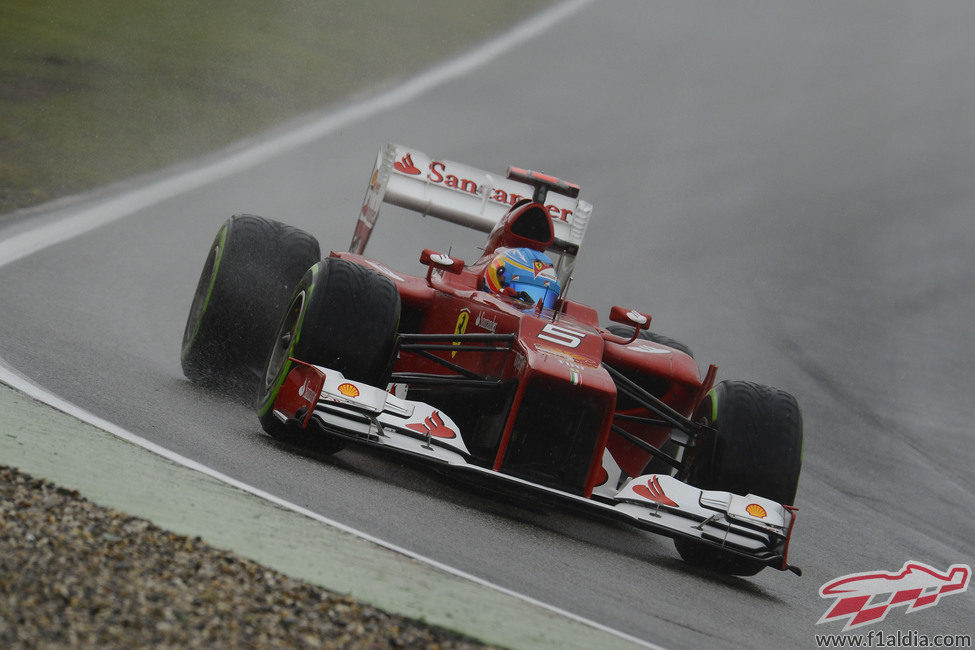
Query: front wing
point(751, 526)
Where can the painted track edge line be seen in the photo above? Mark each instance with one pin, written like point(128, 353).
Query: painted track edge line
point(113, 209)
point(10, 376)
point(126, 204)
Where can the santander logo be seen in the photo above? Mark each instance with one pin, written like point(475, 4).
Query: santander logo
point(439, 174)
point(406, 166)
point(653, 492)
point(434, 426)
point(866, 598)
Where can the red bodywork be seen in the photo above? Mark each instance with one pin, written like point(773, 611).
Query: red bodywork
point(549, 419)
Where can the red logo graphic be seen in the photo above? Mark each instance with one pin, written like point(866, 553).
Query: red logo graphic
point(434, 426)
point(917, 585)
point(653, 492)
point(406, 165)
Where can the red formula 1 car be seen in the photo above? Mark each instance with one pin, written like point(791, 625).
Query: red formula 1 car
point(489, 370)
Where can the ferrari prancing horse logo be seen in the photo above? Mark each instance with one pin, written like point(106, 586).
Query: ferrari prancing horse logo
point(463, 318)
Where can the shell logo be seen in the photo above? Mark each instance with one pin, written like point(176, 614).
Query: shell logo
point(349, 390)
point(756, 510)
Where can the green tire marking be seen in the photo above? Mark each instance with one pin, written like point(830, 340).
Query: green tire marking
point(272, 394)
point(221, 241)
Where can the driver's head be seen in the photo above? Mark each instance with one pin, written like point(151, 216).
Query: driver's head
point(523, 273)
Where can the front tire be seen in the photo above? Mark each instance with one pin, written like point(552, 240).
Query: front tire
point(756, 449)
point(626, 332)
point(341, 316)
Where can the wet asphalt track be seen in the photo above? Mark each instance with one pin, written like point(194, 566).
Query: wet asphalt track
point(788, 189)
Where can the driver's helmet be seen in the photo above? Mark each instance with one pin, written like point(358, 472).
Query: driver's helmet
point(525, 274)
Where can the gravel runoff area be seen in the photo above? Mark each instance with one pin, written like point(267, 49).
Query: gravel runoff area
point(74, 574)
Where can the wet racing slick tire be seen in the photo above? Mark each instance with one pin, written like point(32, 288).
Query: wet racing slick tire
point(342, 316)
point(247, 278)
point(757, 449)
point(626, 331)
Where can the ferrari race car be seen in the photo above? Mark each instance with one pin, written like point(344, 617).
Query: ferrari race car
point(490, 371)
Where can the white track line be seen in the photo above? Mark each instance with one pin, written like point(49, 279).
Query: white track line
point(14, 379)
point(32, 241)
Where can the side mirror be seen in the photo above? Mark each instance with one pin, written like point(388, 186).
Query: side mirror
point(432, 259)
point(638, 320)
point(630, 317)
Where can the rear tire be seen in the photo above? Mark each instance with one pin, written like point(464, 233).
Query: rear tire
point(757, 449)
point(247, 278)
point(342, 316)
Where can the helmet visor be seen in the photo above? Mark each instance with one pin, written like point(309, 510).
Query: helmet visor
point(537, 292)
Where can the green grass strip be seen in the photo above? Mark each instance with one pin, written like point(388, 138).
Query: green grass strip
point(93, 91)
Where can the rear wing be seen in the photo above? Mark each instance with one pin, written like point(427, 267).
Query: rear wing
point(468, 196)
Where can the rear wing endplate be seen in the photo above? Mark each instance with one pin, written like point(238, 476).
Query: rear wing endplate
point(463, 195)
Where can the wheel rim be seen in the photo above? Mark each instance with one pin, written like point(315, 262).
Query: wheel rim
point(284, 342)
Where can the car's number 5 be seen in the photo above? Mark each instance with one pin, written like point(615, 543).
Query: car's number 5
point(561, 335)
